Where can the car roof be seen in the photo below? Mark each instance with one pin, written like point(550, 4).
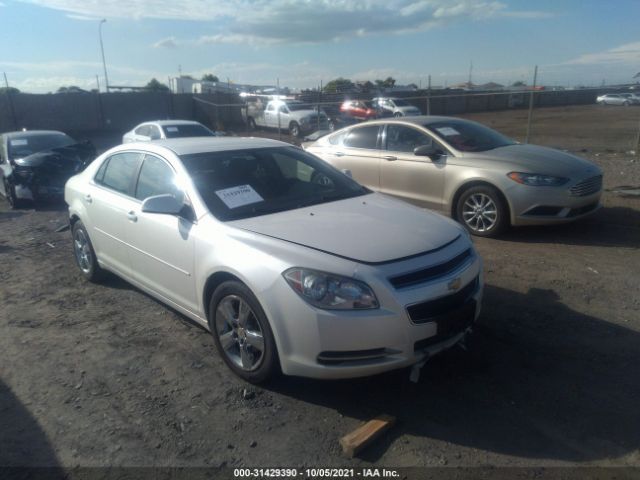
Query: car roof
point(189, 145)
point(31, 133)
point(420, 120)
point(163, 123)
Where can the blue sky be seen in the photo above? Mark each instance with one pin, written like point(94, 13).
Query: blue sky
point(45, 44)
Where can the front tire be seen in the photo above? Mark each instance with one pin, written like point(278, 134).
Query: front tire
point(294, 129)
point(85, 255)
point(10, 193)
point(482, 211)
point(242, 333)
point(251, 124)
point(397, 115)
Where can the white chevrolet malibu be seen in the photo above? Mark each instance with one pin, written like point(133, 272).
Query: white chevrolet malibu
point(292, 265)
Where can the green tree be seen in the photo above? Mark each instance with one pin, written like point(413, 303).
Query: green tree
point(209, 77)
point(339, 85)
point(519, 83)
point(155, 86)
point(9, 90)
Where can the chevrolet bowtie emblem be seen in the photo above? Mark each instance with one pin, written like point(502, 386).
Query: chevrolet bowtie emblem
point(454, 284)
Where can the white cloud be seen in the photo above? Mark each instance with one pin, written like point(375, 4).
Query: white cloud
point(169, 42)
point(628, 54)
point(82, 18)
point(275, 21)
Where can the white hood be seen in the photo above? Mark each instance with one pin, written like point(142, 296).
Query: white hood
point(368, 229)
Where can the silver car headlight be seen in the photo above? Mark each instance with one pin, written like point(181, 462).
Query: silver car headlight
point(329, 291)
point(537, 179)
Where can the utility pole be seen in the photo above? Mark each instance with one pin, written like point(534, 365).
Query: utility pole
point(278, 104)
point(470, 72)
point(429, 97)
point(104, 63)
point(10, 99)
point(533, 89)
point(98, 83)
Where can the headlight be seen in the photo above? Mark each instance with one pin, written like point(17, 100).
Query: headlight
point(328, 291)
point(536, 179)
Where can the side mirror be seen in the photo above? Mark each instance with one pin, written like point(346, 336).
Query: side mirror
point(167, 204)
point(428, 151)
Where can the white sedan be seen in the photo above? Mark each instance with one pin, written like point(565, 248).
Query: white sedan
point(292, 265)
point(163, 129)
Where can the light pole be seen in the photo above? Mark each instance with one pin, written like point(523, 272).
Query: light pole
point(104, 64)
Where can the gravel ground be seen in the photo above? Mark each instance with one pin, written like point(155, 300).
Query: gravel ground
point(99, 375)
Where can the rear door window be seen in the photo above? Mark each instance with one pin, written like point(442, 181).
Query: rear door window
point(120, 172)
point(362, 137)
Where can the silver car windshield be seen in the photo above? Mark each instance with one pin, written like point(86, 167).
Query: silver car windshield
point(468, 136)
point(23, 146)
point(239, 184)
point(186, 130)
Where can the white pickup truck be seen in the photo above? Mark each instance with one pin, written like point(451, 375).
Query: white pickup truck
point(292, 115)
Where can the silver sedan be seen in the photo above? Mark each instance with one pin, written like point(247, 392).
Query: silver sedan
point(468, 171)
point(270, 249)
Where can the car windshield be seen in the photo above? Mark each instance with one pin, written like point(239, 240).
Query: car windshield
point(468, 136)
point(23, 146)
point(239, 184)
point(188, 130)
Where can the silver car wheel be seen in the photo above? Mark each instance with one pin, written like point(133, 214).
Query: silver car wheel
point(239, 332)
point(82, 250)
point(480, 212)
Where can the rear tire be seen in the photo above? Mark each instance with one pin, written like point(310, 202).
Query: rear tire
point(85, 255)
point(294, 129)
point(482, 211)
point(397, 114)
point(10, 193)
point(242, 333)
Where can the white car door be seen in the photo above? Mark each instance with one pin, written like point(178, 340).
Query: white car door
point(161, 245)
point(108, 202)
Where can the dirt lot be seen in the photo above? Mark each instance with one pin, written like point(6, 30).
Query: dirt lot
point(97, 375)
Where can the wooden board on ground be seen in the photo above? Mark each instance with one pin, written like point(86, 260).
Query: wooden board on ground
point(354, 442)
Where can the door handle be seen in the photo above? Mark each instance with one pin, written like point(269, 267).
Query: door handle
point(339, 154)
point(132, 216)
point(87, 198)
point(390, 158)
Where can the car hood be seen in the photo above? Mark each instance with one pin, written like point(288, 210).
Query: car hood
point(71, 157)
point(367, 229)
point(536, 159)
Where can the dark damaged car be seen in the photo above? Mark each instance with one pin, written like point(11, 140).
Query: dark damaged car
point(35, 165)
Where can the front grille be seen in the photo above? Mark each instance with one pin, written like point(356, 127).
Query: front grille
point(431, 309)
point(333, 358)
point(587, 187)
point(450, 325)
point(426, 274)
point(574, 212)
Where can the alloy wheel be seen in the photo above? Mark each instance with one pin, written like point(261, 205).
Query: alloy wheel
point(239, 332)
point(82, 250)
point(479, 212)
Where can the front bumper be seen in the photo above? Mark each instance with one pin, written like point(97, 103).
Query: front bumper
point(345, 344)
point(549, 205)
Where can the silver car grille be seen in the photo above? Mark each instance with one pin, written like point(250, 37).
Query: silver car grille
point(431, 273)
point(587, 187)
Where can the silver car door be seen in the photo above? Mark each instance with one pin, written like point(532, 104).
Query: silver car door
point(162, 245)
point(415, 179)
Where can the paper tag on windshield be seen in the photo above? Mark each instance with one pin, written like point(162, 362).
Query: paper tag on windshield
point(18, 142)
point(448, 131)
point(239, 196)
point(171, 129)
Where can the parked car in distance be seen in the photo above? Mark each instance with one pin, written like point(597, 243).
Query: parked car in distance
point(615, 99)
point(270, 248)
point(396, 107)
point(476, 175)
point(358, 109)
point(273, 111)
point(163, 129)
point(35, 164)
